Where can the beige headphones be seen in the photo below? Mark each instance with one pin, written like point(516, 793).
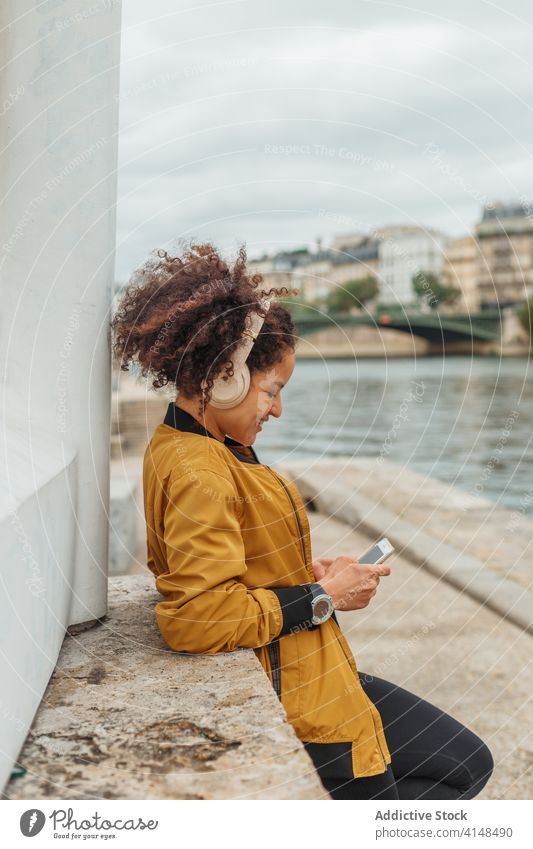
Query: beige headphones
point(230, 392)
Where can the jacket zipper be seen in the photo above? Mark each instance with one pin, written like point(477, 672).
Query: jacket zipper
point(377, 738)
point(273, 653)
point(273, 647)
point(371, 714)
point(295, 513)
point(344, 653)
point(333, 615)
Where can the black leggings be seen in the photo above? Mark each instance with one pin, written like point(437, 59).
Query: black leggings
point(433, 756)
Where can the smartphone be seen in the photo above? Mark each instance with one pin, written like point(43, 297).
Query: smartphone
point(378, 553)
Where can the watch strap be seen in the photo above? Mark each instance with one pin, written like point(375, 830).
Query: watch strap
point(296, 607)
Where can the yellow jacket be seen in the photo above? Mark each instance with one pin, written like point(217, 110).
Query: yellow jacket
point(229, 543)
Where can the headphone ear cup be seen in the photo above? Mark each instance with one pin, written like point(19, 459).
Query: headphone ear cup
point(228, 393)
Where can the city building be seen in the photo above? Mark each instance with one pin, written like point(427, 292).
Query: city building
point(300, 269)
point(492, 267)
point(347, 241)
point(505, 240)
point(354, 260)
point(403, 252)
point(461, 269)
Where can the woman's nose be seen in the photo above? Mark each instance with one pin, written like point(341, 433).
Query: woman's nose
point(275, 409)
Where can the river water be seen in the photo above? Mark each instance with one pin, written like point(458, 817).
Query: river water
point(459, 419)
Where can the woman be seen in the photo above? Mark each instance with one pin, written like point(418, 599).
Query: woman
point(229, 543)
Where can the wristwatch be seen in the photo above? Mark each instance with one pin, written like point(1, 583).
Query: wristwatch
point(321, 603)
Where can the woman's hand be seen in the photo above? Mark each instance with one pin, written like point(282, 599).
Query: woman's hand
point(351, 584)
point(321, 566)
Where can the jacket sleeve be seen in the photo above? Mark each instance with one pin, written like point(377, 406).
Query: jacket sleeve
point(207, 607)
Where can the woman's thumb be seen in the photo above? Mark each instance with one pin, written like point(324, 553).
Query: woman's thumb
point(319, 570)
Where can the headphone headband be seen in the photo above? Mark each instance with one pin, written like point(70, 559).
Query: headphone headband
point(228, 393)
point(249, 335)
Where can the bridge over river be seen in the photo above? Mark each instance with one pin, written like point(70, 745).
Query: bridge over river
point(441, 330)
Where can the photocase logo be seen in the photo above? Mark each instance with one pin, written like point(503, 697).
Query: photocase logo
point(31, 822)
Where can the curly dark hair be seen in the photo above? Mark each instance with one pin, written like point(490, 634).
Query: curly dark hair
point(181, 318)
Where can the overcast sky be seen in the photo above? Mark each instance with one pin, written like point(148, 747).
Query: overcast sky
point(274, 122)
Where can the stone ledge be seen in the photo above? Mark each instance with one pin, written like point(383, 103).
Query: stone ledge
point(124, 717)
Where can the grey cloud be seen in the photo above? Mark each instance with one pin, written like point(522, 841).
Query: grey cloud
point(377, 83)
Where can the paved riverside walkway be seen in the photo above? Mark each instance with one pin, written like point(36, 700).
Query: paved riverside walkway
point(423, 634)
point(435, 524)
point(499, 537)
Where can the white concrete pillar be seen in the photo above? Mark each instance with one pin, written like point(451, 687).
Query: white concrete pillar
point(58, 159)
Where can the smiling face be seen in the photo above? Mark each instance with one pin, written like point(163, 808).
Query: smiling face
point(246, 420)
point(263, 400)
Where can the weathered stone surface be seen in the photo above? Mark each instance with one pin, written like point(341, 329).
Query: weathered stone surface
point(124, 717)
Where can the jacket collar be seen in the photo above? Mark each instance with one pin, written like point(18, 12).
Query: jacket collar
point(182, 420)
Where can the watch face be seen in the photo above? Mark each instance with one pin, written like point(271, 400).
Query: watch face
point(321, 608)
